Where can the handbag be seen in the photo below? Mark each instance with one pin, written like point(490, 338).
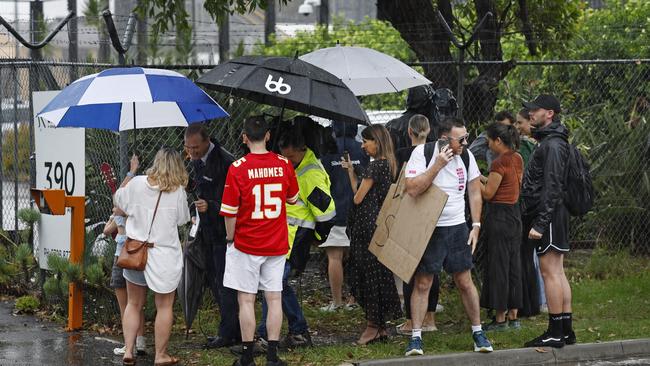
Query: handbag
point(134, 252)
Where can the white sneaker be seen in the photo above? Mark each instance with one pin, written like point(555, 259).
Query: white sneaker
point(141, 345)
point(120, 351)
point(332, 307)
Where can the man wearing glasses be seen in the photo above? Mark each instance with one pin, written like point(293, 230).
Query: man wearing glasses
point(209, 166)
point(451, 246)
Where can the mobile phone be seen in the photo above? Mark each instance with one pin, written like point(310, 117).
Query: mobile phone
point(442, 143)
point(346, 155)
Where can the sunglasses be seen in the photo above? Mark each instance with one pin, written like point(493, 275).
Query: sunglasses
point(465, 138)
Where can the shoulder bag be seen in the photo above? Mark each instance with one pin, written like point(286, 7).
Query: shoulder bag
point(134, 252)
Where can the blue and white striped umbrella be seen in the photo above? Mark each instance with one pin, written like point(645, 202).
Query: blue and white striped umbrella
point(128, 98)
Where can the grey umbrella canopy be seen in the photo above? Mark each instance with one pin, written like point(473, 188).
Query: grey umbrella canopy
point(287, 83)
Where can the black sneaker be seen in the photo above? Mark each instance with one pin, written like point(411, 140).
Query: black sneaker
point(259, 348)
point(496, 326)
point(546, 340)
point(296, 340)
point(278, 362)
point(570, 338)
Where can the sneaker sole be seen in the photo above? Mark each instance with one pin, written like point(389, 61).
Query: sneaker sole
point(483, 349)
point(414, 352)
point(550, 343)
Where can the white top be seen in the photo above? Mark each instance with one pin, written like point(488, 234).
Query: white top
point(165, 259)
point(451, 180)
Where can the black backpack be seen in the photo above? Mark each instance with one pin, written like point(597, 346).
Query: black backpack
point(579, 190)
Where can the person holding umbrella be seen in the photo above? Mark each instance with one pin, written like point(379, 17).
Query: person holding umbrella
point(257, 188)
point(209, 166)
point(155, 204)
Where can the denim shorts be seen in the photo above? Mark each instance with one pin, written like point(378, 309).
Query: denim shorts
point(135, 277)
point(447, 249)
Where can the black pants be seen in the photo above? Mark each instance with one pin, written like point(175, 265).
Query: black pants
point(434, 292)
point(529, 283)
point(224, 296)
point(502, 287)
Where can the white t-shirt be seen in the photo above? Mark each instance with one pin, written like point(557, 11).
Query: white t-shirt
point(165, 259)
point(451, 180)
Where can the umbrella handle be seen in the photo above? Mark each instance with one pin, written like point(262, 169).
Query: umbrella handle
point(274, 145)
point(135, 133)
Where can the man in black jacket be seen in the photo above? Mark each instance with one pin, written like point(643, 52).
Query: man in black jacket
point(209, 165)
point(547, 217)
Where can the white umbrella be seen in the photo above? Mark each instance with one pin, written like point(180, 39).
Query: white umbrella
point(366, 71)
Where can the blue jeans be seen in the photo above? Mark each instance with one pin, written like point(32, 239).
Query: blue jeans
point(290, 307)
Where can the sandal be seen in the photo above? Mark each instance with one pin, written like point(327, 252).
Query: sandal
point(173, 361)
point(128, 361)
point(379, 337)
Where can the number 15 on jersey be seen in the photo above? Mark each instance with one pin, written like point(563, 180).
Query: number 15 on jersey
point(266, 205)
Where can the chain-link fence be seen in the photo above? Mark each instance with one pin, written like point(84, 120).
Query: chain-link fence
point(606, 106)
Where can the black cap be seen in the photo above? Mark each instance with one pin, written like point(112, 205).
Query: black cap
point(544, 101)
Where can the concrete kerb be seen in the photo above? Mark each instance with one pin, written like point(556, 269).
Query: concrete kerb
point(529, 356)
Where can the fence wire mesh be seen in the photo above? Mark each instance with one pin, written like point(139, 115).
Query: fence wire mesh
point(606, 105)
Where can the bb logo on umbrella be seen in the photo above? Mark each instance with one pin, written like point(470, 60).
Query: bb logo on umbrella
point(277, 86)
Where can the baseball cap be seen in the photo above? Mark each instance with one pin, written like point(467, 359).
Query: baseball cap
point(545, 101)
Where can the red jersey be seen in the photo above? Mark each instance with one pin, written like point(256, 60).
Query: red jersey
point(257, 187)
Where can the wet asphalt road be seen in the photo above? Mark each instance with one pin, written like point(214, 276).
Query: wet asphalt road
point(26, 341)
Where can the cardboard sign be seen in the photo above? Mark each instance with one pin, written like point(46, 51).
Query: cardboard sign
point(404, 227)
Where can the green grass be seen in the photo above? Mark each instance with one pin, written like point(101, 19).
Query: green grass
point(608, 309)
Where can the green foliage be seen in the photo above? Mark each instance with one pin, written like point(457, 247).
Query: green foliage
point(617, 31)
point(553, 24)
point(172, 12)
point(27, 304)
point(7, 268)
point(29, 216)
point(16, 165)
point(56, 291)
point(24, 255)
point(95, 275)
point(184, 45)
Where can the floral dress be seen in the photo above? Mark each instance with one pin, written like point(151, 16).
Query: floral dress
point(371, 283)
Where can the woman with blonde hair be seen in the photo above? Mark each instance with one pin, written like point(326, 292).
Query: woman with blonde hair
point(418, 132)
point(370, 281)
point(156, 204)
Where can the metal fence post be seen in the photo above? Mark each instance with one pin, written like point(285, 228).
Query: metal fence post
point(460, 93)
point(2, 121)
point(16, 236)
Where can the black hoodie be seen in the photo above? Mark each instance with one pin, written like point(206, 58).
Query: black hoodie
point(543, 186)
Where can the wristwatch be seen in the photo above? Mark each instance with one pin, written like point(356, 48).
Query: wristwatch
point(231, 241)
point(130, 175)
point(476, 224)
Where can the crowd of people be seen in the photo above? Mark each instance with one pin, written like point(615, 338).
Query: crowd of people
point(261, 215)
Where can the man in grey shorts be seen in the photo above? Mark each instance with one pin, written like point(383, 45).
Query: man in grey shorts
point(451, 246)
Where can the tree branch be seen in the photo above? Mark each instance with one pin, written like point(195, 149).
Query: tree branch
point(527, 28)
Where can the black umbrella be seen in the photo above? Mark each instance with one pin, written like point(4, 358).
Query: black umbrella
point(287, 83)
point(190, 289)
